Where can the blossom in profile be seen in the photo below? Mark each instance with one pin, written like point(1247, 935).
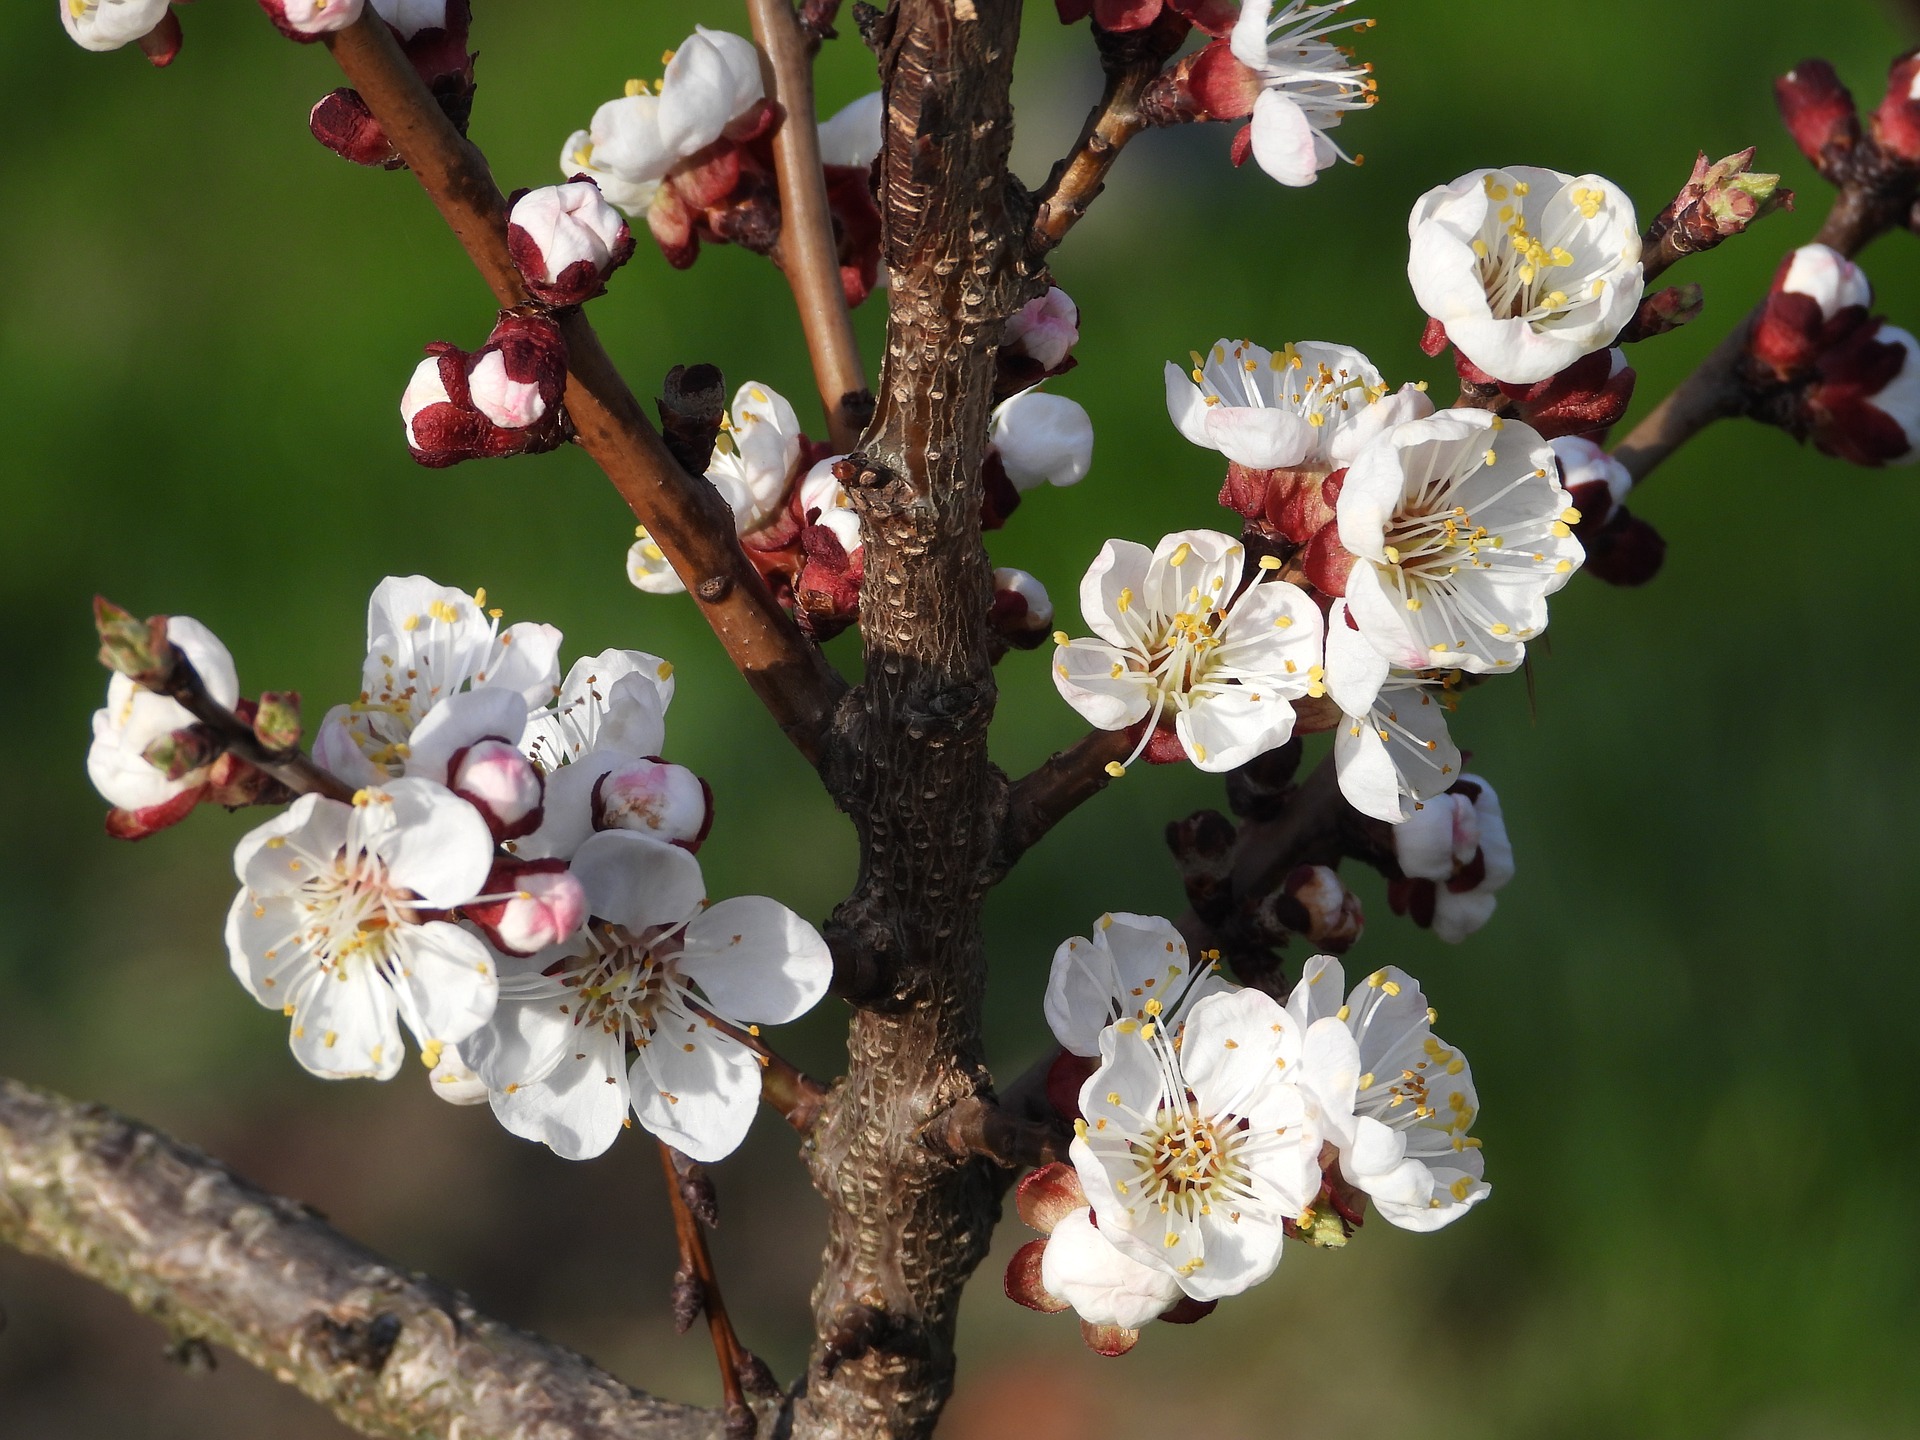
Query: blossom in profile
point(1195, 1155)
point(1460, 529)
point(1395, 1100)
point(1391, 749)
point(1307, 405)
point(135, 717)
point(642, 1012)
point(333, 926)
point(1455, 856)
point(1305, 84)
point(1527, 269)
point(1180, 643)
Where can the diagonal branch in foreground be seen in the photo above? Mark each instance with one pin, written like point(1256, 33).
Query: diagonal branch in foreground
point(685, 516)
point(389, 1352)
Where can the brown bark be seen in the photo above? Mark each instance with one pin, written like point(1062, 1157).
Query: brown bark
point(908, 1222)
point(210, 1257)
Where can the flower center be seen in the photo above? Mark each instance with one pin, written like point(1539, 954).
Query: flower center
point(1515, 266)
point(1184, 1161)
point(625, 982)
point(352, 910)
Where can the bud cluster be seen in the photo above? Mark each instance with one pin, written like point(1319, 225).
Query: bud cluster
point(502, 399)
point(432, 34)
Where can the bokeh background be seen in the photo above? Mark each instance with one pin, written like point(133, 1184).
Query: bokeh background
point(1691, 1019)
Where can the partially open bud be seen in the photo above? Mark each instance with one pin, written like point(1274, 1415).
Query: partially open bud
point(1595, 481)
point(666, 802)
point(1042, 439)
point(102, 25)
point(1039, 342)
point(308, 20)
point(1334, 918)
point(501, 783)
point(1454, 856)
point(529, 905)
point(1818, 110)
point(504, 399)
point(1719, 200)
point(566, 241)
point(1818, 298)
point(1896, 124)
point(1586, 398)
point(1864, 403)
point(276, 720)
point(1022, 614)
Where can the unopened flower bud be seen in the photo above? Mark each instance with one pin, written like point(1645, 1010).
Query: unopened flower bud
point(501, 783)
point(307, 20)
point(135, 648)
point(1818, 110)
point(504, 399)
point(1586, 398)
point(1042, 439)
point(1625, 551)
point(1665, 310)
point(1334, 918)
point(276, 720)
point(666, 802)
point(102, 25)
point(1454, 856)
point(1818, 298)
point(1719, 200)
point(1039, 342)
point(1896, 124)
point(827, 591)
point(341, 121)
point(1864, 403)
point(1326, 562)
point(567, 240)
point(179, 753)
point(1022, 613)
point(1595, 481)
point(529, 905)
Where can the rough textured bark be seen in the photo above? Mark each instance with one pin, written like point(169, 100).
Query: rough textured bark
point(211, 1257)
point(909, 1221)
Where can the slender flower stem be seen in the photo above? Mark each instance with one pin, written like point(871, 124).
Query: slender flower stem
point(685, 516)
point(291, 767)
point(696, 1260)
point(806, 250)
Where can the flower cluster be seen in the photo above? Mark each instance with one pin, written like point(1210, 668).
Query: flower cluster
point(1217, 1123)
point(1832, 372)
point(693, 153)
point(513, 879)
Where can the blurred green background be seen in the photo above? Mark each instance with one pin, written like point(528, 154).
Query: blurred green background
point(1690, 1019)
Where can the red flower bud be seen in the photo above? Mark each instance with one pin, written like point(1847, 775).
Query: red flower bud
point(1818, 110)
point(1586, 398)
point(1896, 124)
point(530, 905)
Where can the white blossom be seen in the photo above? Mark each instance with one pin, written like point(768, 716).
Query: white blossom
point(328, 928)
point(134, 717)
point(1396, 1100)
point(825, 498)
point(1584, 463)
point(426, 642)
point(1134, 967)
point(1045, 329)
point(850, 137)
point(1042, 439)
point(1307, 84)
point(1103, 1283)
point(1528, 269)
point(1462, 530)
point(1392, 750)
point(1176, 635)
point(646, 975)
point(753, 459)
point(1195, 1156)
point(1309, 405)
point(109, 24)
point(1456, 852)
point(1827, 278)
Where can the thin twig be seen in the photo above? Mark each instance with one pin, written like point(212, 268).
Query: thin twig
point(1011, 1140)
point(685, 516)
point(215, 1259)
point(806, 251)
point(695, 1259)
point(1046, 796)
point(291, 767)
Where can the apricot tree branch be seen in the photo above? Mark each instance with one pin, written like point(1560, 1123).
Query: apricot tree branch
point(806, 251)
point(685, 516)
point(1043, 798)
point(978, 1127)
point(290, 766)
point(698, 1282)
point(211, 1257)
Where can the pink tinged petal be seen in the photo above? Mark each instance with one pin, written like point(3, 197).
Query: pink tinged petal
point(1258, 439)
point(440, 847)
point(756, 961)
point(344, 1024)
point(495, 777)
point(510, 404)
point(1120, 566)
point(652, 797)
point(1104, 1285)
point(638, 882)
point(577, 1111)
point(459, 721)
point(697, 1089)
point(1084, 675)
point(1284, 140)
point(1023, 1283)
point(449, 978)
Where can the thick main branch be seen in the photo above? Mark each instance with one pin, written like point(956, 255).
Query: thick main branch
point(685, 516)
point(206, 1254)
